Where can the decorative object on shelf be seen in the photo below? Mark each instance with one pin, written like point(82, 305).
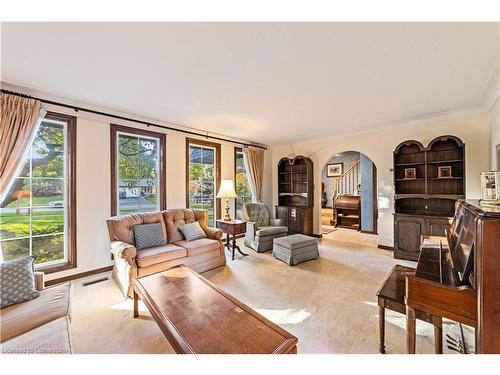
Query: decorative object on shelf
point(410, 174)
point(424, 206)
point(490, 188)
point(334, 170)
point(227, 192)
point(444, 172)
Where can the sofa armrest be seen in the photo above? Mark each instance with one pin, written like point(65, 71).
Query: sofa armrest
point(214, 233)
point(123, 250)
point(277, 222)
point(39, 280)
point(251, 229)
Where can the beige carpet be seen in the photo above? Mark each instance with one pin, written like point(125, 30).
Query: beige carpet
point(328, 303)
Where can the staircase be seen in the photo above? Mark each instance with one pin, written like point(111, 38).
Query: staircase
point(349, 183)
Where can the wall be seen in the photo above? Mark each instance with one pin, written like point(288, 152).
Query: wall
point(93, 183)
point(495, 135)
point(378, 145)
point(367, 194)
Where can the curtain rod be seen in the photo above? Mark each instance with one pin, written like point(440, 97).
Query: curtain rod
point(77, 109)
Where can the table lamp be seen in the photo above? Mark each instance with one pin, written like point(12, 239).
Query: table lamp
point(226, 191)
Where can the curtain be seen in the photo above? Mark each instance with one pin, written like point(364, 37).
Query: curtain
point(253, 158)
point(19, 120)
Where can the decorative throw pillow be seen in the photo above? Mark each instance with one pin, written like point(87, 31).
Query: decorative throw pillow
point(192, 231)
point(17, 281)
point(148, 235)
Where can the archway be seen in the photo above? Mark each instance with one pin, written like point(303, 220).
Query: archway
point(349, 198)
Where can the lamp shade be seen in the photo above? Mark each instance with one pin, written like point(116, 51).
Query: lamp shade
point(226, 190)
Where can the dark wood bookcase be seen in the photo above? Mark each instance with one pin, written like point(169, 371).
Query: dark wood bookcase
point(427, 181)
point(295, 194)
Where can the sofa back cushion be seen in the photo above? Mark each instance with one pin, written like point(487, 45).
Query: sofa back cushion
point(17, 281)
point(120, 228)
point(148, 235)
point(179, 216)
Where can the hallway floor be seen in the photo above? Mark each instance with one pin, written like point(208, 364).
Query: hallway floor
point(349, 235)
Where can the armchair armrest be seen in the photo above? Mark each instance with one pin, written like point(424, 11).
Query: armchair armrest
point(123, 250)
point(214, 233)
point(39, 280)
point(276, 222)
point(251, 229)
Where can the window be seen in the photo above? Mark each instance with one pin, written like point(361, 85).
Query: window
point(203, 177)
point(241, 183)
point(38, 214)
point(137, 170)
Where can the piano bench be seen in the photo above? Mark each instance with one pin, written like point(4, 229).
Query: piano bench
point(391, 295)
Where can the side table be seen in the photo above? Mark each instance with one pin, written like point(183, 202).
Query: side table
point(232, 228)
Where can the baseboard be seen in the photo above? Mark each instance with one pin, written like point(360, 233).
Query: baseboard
point(385, 247)
point(369, 232)
point(316, 235)
point(78, 276)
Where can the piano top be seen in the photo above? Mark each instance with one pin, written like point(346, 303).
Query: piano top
point(493, 211)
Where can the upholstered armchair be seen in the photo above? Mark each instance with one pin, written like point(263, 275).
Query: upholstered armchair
point(261, 228)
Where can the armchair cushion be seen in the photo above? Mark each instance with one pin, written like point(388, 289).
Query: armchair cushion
point(270, 231)
point(276, 222)
point(159, 254)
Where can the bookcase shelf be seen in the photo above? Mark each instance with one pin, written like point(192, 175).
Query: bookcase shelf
point(424, 204)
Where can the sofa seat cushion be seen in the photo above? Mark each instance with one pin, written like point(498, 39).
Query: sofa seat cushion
point(51, 338)
point(199, 246)
point(53, 303)
point(270, 231)
point(159, 254)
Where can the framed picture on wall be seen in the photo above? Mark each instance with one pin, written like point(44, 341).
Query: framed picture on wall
point(334, 170)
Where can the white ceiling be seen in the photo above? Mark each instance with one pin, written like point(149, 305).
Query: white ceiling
point(270, 83)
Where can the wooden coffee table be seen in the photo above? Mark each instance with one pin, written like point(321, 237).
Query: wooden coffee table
point(197, 317)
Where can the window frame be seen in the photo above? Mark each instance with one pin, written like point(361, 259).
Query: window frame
point(217, 147)
point(70, 195)
point(236, 150)
point(115, 129)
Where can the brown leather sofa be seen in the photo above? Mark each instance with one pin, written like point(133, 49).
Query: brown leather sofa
point(201, 255)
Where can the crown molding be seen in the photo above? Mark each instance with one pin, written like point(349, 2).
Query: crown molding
point(403, 123)
point(490, 90)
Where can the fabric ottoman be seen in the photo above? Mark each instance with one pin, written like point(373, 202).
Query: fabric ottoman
point(295, 249)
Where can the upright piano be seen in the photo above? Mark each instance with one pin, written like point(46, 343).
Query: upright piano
point(458, 276)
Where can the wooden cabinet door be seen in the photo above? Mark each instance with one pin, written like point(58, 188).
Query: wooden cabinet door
point(437, 226)
point(407, 235)
point(292, 220)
